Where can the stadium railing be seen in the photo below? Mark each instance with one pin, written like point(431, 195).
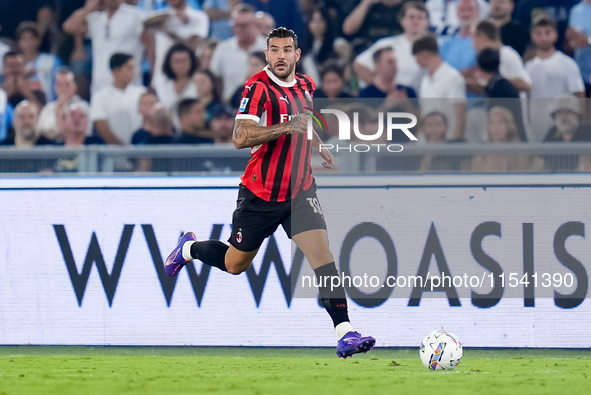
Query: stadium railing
point(414, 158)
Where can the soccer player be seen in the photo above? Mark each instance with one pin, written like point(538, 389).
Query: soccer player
point(277, 187)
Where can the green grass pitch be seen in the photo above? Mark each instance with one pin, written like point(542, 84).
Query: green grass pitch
point(303, 371)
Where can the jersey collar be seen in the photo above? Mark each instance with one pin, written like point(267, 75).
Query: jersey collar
point(277, 80)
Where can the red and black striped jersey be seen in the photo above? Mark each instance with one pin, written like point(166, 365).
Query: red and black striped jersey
point(280, 168)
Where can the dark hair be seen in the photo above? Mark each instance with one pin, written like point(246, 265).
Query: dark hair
point(425, 43)
point(10, 54)
point(178, 47)
point(26, 27)
point(216, 86)
point(211, 43)
point(326, 50)
point(149, 93)
point(222, 110)
point(488, 29)
point(436, 114)
point(185, 106)
point(331, 67)
point(118, 60)
point(242, 8)
point(412, 5)
point(282, 32)
point(64, 70)
point(489, 60)
point(544, 20)
point(260, 55)
point(377, 55)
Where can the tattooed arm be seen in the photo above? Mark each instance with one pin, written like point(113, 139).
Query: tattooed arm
point(247, 133)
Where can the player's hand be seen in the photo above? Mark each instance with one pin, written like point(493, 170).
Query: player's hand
point(328, 158)
point(299, 124)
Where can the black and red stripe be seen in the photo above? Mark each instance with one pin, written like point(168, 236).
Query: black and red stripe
point(280, 168)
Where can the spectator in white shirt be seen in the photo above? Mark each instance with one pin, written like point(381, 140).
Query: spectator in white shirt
point(230, 58)
point(114, 109)
point(488, 36)
point(179, 23)
point(443, 88)
point(179, 68)
point(117, 28)
point(65, 87)
point(414, 20)
point(553, 75)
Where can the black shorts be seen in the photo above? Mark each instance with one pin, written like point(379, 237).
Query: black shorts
point(256, 219)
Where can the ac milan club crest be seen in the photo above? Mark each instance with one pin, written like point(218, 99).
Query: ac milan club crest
point(239, 236)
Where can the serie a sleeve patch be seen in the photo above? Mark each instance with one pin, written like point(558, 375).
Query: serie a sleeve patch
point(243, 104)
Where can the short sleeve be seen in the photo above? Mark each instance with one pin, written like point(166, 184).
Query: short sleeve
point(97, 107)
point(201, 22)
point(575, 80)
point(252, 102)
point(365, 58)
point(457, 90)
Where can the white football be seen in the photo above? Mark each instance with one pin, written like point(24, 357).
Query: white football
point(440, 350)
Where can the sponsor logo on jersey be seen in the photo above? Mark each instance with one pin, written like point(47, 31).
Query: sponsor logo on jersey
point(243, 104)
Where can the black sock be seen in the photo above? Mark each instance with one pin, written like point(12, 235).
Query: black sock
point(334, 301)
point(210, 252)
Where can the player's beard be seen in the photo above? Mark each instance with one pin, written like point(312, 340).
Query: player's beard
point(284, 74)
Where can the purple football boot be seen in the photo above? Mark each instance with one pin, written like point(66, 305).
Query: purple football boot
point(352, 343)
point(175, 260)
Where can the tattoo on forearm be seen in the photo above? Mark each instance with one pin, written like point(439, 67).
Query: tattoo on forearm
point(249, 135)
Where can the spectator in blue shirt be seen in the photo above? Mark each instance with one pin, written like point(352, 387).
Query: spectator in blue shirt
point(384, 84)
point(287, 13)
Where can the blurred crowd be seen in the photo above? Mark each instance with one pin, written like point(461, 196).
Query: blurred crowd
point(145, 72)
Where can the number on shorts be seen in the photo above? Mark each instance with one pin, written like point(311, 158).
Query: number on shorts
point(315, 205)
